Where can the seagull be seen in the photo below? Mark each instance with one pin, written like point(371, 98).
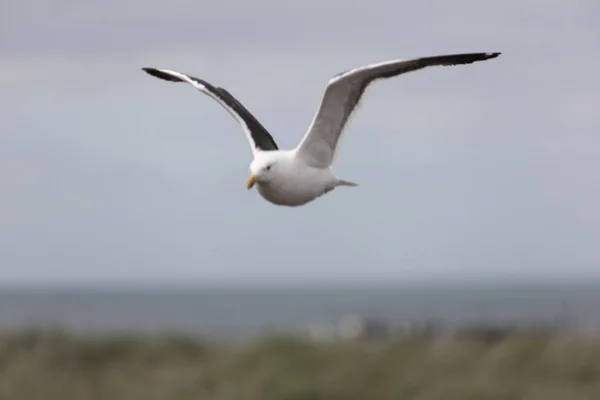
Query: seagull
point(295, 177)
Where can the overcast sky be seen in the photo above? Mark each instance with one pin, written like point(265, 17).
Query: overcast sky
point(485, 171)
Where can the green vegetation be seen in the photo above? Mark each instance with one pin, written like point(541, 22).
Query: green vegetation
point(52, 366)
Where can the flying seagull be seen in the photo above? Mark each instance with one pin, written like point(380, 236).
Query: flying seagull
point(297, 176)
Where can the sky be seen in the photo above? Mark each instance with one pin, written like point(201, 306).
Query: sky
point(472, 173)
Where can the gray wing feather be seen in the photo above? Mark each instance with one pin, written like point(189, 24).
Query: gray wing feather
point(343, 93)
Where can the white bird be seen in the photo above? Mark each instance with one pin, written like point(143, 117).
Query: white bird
point(297, 176)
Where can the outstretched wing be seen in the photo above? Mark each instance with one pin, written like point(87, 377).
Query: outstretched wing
point(344, 92)
point(258, 136)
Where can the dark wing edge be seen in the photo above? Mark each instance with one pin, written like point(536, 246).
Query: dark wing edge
point(457, 59)
point(442, 60)
point(261, 137)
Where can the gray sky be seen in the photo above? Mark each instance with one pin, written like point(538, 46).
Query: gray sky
point(477, 172)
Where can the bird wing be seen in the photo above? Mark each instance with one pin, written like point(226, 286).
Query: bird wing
point(260, 139)
point(343, 93)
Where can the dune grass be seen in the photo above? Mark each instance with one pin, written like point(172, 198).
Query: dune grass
point(53, 366)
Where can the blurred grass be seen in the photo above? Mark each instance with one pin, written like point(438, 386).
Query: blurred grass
point(49, 365)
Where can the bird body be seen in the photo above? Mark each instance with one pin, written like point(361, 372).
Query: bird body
point(283, 179)
point(294, 177)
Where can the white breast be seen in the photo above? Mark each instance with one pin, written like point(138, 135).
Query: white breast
point(297, 185)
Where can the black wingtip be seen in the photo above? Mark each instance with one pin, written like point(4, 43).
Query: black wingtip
point(151, 71)
point(492, 55)
point(157, 73)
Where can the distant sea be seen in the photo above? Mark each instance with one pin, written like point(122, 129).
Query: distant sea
point(238, 313)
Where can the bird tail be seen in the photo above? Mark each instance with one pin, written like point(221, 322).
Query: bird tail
point(341, 182)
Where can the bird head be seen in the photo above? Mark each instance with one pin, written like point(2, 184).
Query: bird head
point(260, 172)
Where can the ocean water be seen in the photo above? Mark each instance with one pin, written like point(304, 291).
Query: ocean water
point(238, 313)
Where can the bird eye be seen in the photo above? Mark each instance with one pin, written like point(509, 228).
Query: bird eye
point(268, 167)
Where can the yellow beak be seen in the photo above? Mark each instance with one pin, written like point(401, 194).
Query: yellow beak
point(251, 181)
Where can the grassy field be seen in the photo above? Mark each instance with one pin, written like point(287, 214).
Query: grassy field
point(53, 366)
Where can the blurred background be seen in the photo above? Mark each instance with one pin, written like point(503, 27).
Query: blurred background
point(124, 212)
